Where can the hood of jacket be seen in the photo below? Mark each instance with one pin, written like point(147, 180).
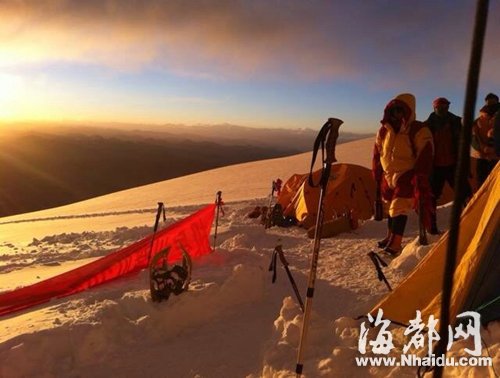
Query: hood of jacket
point(406, 101)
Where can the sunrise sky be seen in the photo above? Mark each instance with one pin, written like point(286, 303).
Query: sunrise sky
point(253, 63)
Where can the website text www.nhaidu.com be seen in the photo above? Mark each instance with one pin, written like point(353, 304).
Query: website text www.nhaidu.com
point(413, 360)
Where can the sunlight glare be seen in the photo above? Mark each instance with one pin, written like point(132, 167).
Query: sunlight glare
point(10, 87)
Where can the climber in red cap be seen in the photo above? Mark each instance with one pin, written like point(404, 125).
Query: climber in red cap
point(445, 128)
point(440, 101)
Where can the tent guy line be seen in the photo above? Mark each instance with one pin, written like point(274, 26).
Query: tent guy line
point(92, 215)
point(104, 214)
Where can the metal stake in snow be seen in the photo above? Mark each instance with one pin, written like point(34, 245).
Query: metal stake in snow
point(327, 138)
point(161, 209)
point(218, 202)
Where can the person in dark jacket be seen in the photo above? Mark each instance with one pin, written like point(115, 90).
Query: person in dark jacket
point(491, 99)
point(496, 132)
point(483, 141)
point(445, 128)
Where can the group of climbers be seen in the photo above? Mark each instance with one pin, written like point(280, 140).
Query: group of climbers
point(413, 160)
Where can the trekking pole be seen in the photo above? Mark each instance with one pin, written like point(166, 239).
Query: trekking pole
point(422, 234)
point(161, 209)
point(378, 261)
point(218, 202)
point(461, 176)
point(379, 210)
point(279, 251)
point(269, 211)
point(328, 135)
point(276, 187)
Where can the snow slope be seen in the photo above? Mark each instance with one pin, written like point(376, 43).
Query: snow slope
point(233, 322)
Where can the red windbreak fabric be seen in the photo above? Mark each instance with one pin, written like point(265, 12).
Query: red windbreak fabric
point(192, 233)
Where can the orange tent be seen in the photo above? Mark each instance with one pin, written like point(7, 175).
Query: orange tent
point(349, 187)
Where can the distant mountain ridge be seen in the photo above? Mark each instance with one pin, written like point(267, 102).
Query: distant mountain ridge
point(299, 140)
point(50, 167)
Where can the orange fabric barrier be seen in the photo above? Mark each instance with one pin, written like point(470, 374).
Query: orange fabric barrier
point(192, 232)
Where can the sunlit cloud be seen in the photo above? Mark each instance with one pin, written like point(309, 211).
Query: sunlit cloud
point(216, 39)
point(374, 46)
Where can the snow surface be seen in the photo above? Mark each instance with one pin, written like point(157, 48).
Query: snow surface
point(233, 322)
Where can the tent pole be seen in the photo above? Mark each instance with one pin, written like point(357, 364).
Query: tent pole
point(461, 175)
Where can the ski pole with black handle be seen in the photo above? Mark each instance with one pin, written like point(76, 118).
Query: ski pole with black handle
point(218, 202)
point(269, 211)
point(328, 135)
point(378, 262)
point(159, 212)
point(379, 209)
point(279, 250)
point(422, 234)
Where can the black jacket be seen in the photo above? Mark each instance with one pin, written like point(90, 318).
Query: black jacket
point(435, 122)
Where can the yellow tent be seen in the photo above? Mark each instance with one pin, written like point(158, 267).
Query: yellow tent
point(349, 187)
point(477, 275)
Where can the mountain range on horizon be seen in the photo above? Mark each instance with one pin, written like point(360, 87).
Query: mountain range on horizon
point(299, 139)
point(46, 167)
